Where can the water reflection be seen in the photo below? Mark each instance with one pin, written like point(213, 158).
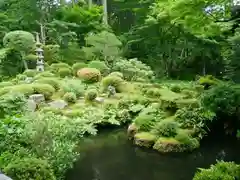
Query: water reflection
point(112, 157)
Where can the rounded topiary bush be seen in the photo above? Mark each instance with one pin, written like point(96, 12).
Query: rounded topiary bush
point(73, 85)
point(70, 97)
point(63, 72)
point(176, 88)
point(101, 66)
point(29, 168)
point(153, 92)
point(5, 84)
point(44, 74)
point(144, 122)
point(77, 66)
point(91, 95)
point(89, 75)
point(54, 82)
point(118, 74)
point(25, 89)
point(188, 142)
point(21, 77)
point(45, 89)
point(30, 72)
point(166, 128)
point(56, 66)
point(116, 82)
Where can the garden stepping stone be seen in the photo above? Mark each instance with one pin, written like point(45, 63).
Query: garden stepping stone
point(58, 104)
point(31, 105)
point(38, 98)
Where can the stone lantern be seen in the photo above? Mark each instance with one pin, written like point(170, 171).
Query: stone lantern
point(40, 57)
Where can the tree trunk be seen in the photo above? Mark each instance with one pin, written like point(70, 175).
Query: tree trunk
point(42, 32)
point(105, 12)
point(90, 4)
point(25, 64)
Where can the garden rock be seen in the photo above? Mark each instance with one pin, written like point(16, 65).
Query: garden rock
point(58, 104)
point(99, 99)
point(38, 98)
point(132, 130)
point(29, 80)
point(31, 105)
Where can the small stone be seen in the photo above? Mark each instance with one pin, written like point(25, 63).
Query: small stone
point(38, 98)
point(29, 80)
point(31, 105)
point(111, 91)
point(99, 99)
point(132, 130)
point(58, 104)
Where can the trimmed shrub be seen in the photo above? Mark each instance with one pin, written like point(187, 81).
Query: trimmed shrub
point(54, 82)
point(53, 110)
point(25, 89)
point(63, 72)
point(118, 74)
point(166, 128)
point(56, 66)
point(145, 122)
point(133, 69)
point(189, 142)
point(29, 168)
point(114, 81)
point(77, 66)
point(44, 74)
point(70, 97)
point(101, 66)
point(153, 92)
point(73, 85)
point(222, 170)
point(5, 90)
point(176, 88)
point(5, 84)
point(30, 72)
point(208, 81)
point(31, 57)
point(21, 77)
point(89, 75)
point(91, 94)
point(45, 89)
point(73, 113)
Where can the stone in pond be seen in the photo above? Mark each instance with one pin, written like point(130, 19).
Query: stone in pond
point(38, 98)
point(58, 104)
point(31, 105)
point(99, 99)
point(132, 130)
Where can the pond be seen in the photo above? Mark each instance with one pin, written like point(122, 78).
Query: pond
point(111, 156)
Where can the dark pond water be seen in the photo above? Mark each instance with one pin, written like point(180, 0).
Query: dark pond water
point(110, 156)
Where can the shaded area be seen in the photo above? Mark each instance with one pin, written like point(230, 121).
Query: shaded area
point(110, 156)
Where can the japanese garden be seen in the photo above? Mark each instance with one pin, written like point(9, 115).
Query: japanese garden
point(103, 90)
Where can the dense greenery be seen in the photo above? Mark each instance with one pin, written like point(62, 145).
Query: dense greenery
point(144, 49)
